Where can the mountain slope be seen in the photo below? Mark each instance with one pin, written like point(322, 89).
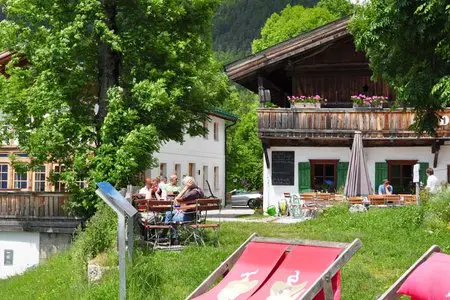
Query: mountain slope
point(238, 22)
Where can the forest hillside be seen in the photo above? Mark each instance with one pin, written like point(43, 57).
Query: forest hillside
point(238, 22)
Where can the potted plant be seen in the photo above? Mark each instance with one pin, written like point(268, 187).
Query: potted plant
point(368, 101)
point(306, 101)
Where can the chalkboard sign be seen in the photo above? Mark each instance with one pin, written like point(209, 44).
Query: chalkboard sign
point(283, 167)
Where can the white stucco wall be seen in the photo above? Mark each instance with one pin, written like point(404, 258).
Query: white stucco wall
point(203, 152)
point(272, 194)
point(26, 251)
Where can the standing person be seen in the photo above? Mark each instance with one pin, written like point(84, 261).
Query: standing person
point(432, 181)
point(385, 188)
point(170, 188)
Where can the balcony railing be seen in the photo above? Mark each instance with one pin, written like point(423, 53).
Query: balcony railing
point(332, 124)
point(31, 204)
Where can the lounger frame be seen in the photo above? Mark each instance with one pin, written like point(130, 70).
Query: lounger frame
point(323, 282)
point(391, 293)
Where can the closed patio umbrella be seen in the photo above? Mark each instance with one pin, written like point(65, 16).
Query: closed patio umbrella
point(358, 181)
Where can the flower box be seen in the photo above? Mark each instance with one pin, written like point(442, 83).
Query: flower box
point(305, 105)
point(360, 106)
point(368, 102)
point(306, 101)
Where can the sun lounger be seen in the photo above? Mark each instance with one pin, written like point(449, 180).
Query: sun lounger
point(427, 278)
point(266, 268)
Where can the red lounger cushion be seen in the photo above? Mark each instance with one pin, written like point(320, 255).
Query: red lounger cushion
point(430, 280)
point(299, 270)
point(249, 272)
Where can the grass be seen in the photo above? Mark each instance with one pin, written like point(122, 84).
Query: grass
point(392, 240)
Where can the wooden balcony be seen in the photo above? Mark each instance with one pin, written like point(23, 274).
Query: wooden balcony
point(36, 212)
point(32, 205)
point(336, 127)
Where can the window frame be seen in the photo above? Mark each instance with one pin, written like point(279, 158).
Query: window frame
point(216, 131)
point(191, 169)
point(40, 181)
point(401, 162)
point(58, 185)
point(162, 170)
point(20, 180)
point(1, 175)
point(324, 162)
point(206, 127)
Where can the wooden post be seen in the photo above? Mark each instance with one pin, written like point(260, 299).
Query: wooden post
point(261, 92)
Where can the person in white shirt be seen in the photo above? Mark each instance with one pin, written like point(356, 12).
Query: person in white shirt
point(432, 181)
point(147, 189)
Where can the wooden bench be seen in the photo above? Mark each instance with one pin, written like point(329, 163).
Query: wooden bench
point(376, 199)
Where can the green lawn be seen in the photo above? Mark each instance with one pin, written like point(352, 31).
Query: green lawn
point(391, 243)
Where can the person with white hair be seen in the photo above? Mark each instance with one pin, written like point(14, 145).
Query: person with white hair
point(190, 193)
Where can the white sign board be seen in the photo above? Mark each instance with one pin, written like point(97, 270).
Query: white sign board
point(416, 177)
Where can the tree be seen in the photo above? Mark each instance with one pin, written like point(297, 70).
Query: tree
point(408, 45)
point(106, 83)
point(237, 23)
point(244, 150)
point(340, 8)
point(292, 21)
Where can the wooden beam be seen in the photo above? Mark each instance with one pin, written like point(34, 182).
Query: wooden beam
point(391, 293)
point(261, 91)
point(313, 243)
point(266, 154)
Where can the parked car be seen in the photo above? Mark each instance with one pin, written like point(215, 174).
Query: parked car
point(245, 198)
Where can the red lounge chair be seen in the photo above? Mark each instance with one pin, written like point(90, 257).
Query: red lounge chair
point(249, 272)
point(265, 268)
point(427, 278)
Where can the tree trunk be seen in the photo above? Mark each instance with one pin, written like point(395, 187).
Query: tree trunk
point(108, 66)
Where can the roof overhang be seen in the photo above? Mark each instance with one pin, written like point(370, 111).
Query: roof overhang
point(240, 71)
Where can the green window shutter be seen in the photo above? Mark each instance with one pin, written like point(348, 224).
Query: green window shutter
point(381, 173)
point(423, 172)
point(304, 177)
point(341, 174)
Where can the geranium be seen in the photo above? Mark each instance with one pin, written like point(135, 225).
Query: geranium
point(363, 100)
point(306, 99)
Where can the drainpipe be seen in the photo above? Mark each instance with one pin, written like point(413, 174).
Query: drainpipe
point(226, 168)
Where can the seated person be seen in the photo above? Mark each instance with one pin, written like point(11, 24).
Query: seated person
point(147, 189)
point(188, 196)
point(385, 188)
point(170, 188)
point(156, 192)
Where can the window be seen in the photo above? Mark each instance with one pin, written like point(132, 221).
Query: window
point(8, 257)
point(3, 176)
point(400, 174)
point(216, 178)
point(206, 134)
point(20, 180)
point(216, 131)
point(177, 171)
point(39, 179)
point(324, 175)
point(163, 170)
point(81, 183)
point(205, 177)
point(191, 170)
point(59, 185)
